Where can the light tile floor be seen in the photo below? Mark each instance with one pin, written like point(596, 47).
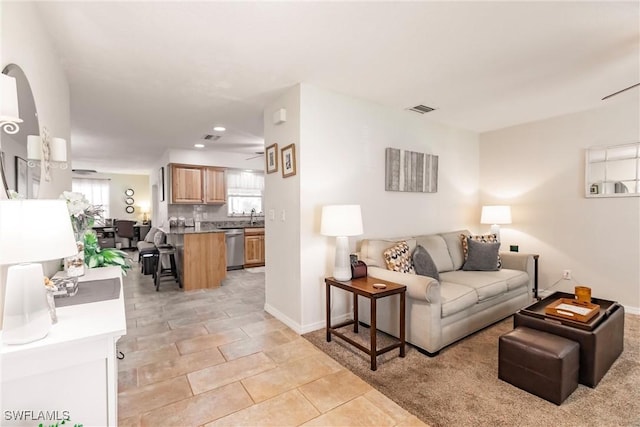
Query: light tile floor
point(216, 358)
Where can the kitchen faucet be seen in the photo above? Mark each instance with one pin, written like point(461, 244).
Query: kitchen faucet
point(253, 212)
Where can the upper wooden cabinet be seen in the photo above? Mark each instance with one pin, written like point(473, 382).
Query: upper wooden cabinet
point(195, 185)
point(214, 185)
point(186, 184)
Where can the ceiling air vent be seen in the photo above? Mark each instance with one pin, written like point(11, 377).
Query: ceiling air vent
point(421, 109)
point(211, 137)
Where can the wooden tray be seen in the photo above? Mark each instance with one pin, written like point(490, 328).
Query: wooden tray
point(571, 309)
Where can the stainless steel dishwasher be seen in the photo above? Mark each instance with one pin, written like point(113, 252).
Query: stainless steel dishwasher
point(235, 248)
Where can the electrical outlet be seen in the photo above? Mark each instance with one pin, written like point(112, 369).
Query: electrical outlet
point(566, 274)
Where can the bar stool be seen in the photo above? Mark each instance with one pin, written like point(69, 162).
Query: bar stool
point(169, 251)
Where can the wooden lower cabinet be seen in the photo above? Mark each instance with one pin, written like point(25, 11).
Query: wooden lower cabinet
point(253, 247)
point(204, 261)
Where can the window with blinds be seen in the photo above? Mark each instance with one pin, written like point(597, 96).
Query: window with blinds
point(244, 192)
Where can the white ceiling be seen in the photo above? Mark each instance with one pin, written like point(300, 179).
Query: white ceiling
point(147, 76)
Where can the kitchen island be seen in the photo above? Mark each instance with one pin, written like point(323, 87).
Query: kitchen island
point(201, 255)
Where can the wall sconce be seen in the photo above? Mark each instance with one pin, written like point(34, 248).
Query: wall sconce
point(9, 117)
point(51, 151)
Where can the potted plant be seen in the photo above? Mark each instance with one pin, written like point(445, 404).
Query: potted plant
point(83, 215)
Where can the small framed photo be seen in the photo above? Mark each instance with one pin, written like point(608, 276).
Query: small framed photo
point(288, 160)
point(271, 156)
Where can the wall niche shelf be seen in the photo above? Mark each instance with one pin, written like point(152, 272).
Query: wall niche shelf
point(613, 171)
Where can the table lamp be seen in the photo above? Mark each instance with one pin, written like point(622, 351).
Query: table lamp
point(341, 221)
point(31, 231)
point(496, 215)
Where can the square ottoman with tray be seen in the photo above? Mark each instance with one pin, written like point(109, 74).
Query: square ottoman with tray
point(600, 338)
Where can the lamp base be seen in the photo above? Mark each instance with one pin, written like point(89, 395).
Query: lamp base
point(342, 267)
point(26, 311)
point(495, 229)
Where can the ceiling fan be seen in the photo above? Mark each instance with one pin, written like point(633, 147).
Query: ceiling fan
point(620, 91)
point(258, 154)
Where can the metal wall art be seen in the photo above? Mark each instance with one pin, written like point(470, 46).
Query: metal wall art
point(410, 171)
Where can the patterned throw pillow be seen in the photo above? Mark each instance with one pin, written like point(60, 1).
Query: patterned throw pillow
point(159, 238)
point(484, 238)
point(398, 258)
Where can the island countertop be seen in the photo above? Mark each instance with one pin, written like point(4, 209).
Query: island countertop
point(194, 230)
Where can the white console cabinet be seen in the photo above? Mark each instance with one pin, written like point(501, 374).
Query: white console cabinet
point(71, 373)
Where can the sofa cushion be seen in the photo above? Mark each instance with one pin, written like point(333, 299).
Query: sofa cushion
point(149, 237)
point(455, 297)
point(485, 238)
point(398, 258)
point(481, 256)
point(488, 284)
point(454, 245)
point(371, 250)
point(159, 238)
point(437, 248)
point(423, 263)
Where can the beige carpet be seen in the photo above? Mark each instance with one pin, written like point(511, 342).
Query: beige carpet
point(460, 387)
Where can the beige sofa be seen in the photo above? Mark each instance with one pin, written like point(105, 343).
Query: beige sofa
point(439, 313)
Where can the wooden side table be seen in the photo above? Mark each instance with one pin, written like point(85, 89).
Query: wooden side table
point(364, 287)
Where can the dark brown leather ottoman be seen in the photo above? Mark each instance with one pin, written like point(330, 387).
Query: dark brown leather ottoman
point(538, 362)
point(601, 341)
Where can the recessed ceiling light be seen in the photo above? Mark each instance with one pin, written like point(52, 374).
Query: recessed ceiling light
point(198, 145)
point(219, 128)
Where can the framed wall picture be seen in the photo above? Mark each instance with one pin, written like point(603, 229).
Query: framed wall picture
point(271, 156)
point(21, 176)
point(161, 184)
point(288, 160)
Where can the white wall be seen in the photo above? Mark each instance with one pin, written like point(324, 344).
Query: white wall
point(282, 237)
point(118, 183)
point(341, 152)
point(538, 168)
point(24, 42)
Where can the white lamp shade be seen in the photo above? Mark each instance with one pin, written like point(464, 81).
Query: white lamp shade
point(9, 99)
point(496, 215)
point(341, 220)
point(58, 148)
point(34, 147)
point(35, 230)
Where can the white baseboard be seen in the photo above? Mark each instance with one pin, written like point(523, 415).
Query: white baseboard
point(297, 327)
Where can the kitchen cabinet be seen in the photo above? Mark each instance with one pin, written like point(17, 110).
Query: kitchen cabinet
point(215, 191)
point(73, 371)
point(186, 184)
point(196, 185)
point(253, 247)
point(201, 257)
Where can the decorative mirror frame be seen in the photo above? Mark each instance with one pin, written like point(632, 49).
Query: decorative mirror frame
point(30, 126)
point(129, 209)
point(612, 171)
point(129, 201)
point(129, 192)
